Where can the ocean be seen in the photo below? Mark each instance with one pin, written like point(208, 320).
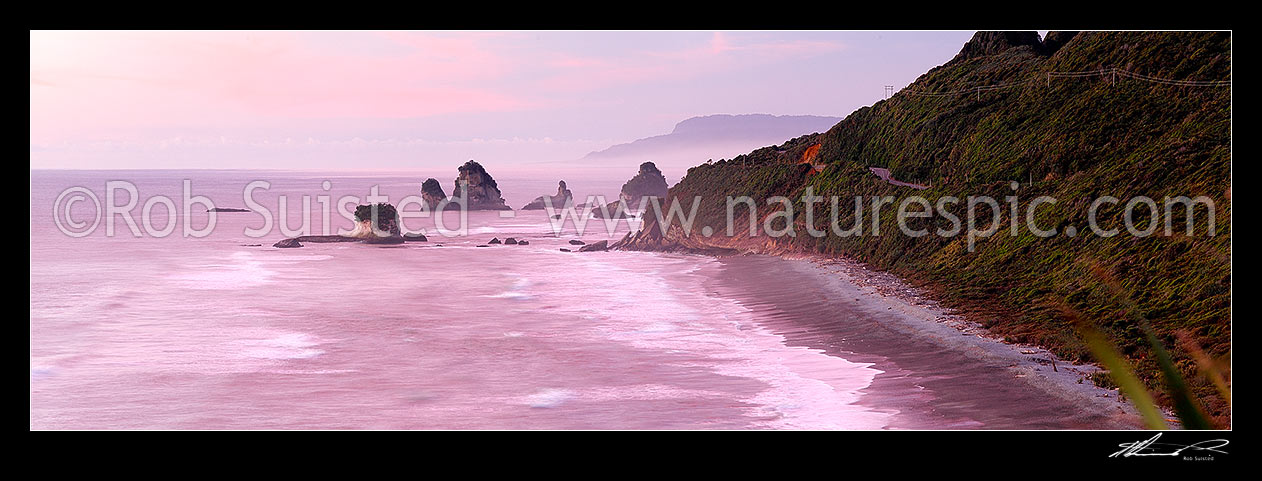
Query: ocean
point(227, 332)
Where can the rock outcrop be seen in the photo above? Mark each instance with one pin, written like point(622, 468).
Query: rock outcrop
point(323, 239)
point(595, 247)
point(563, 198)
point(1053, 41)
point(990, 43)
point(432, 193)
point(384, 240)
point(482, 193)
point(636, 194)
point(385, 231)
point(647, 182)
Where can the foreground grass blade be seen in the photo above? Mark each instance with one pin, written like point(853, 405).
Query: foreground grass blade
point(1185, 405)
point(1122, 375)
point(1189, 411)
point(1206, 364)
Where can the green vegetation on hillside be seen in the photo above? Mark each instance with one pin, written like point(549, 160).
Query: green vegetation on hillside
point(1074, 139)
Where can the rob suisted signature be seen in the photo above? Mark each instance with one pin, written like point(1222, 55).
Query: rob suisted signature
point(1151, 447)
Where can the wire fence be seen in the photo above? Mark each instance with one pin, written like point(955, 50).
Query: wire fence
point(1045, 78)
point(1048, 76)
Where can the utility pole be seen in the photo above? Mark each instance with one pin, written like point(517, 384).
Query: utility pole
point(889, 91)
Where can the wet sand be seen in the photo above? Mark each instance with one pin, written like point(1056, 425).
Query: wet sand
point(939, 371)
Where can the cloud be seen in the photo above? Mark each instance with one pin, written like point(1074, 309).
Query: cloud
point(721, 53)
point(134, 79)
point(148, 87)
point(224, 152)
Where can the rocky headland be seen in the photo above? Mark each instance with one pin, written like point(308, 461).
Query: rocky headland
point(980, 143)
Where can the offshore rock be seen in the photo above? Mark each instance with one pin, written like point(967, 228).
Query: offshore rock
point(563, 198)
point(482, 193)
point(596, 247)
point(432, 193)
point(386, 230)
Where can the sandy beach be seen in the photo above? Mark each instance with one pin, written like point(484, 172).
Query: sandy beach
point(939, 370)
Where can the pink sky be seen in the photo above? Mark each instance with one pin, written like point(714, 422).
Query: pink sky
point(335, 99)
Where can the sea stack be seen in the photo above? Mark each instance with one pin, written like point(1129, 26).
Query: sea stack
point(386, 230)
point(563, 198)
point(482, 192)
point(432, 193)
point(648, 182)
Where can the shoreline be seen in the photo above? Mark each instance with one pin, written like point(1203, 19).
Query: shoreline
point(941, 367)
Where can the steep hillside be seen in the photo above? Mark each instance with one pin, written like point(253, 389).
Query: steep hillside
point(1074, 117)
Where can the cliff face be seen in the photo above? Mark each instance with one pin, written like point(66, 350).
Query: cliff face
point(1074, 139)
point(563, 198)
point(432, 193)
point(483, 193)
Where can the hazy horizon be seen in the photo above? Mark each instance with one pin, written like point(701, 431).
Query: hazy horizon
point(369, 100)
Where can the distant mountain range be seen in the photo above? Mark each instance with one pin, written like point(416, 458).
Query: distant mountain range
point(699, 139)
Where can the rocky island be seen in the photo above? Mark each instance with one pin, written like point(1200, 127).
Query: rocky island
point(482, 193)
point(563, 198)
point(432, 193)
point(386, 230)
